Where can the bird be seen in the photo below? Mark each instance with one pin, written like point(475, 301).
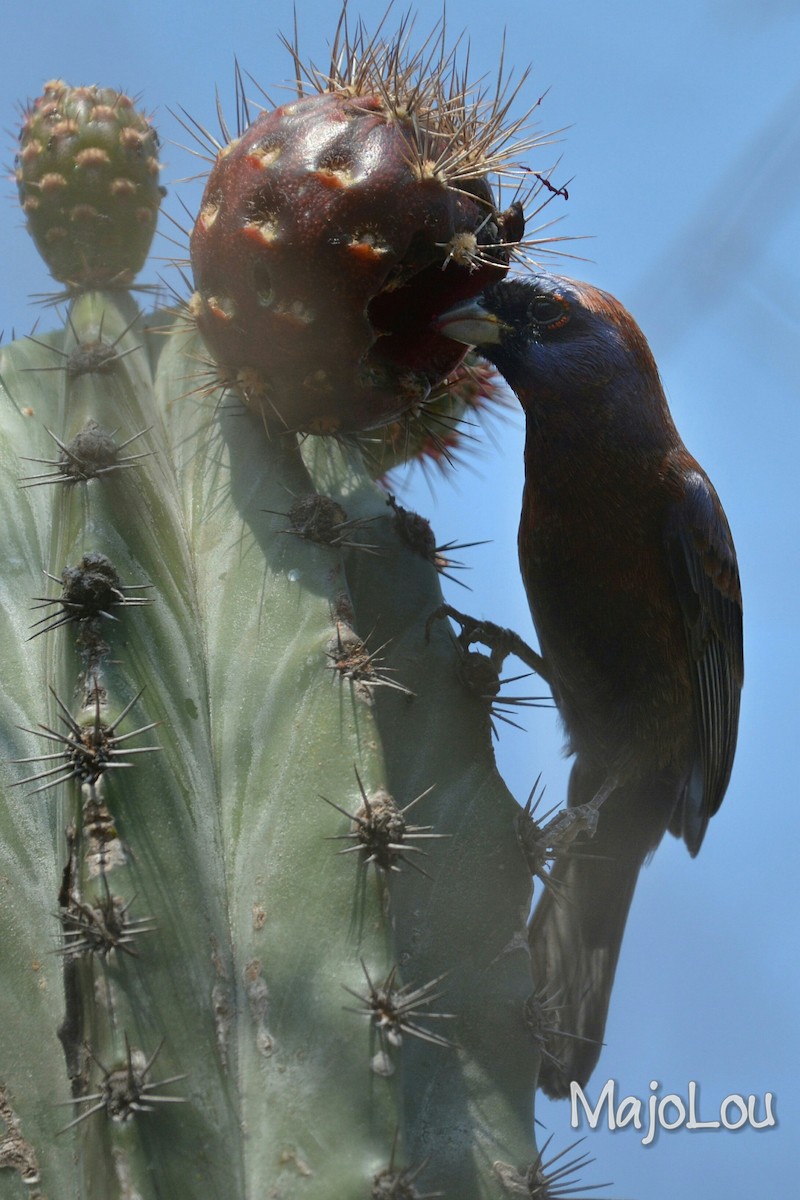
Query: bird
point(632, 581)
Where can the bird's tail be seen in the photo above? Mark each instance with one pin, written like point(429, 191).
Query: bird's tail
point(577, 927)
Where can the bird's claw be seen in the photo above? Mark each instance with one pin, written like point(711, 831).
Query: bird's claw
point(571, 823)
point(500, 642)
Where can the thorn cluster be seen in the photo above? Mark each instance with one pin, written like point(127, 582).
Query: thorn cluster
point(320, 519)
point(461, 132)
point(88, 751)
point(436, 435)
point(94, 356)
point(396, 1010)
point(542, 1015)
point(382, 833)
point(126, 1090)
point(351, 660)
point(416, 533)
point(399, 1183)
point(102, 926)
point(89, 591)
point(90, 454)
point(557, 1180)
point(546, 838)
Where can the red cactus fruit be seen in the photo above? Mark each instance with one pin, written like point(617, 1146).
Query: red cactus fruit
point(335, 228)
point(87, 175)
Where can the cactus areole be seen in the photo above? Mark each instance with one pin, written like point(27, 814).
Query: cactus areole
point(331, 232)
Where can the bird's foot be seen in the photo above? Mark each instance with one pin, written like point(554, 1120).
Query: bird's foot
point(499, 641)
point(552, 836)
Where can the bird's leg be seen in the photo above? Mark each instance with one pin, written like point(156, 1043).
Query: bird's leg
point(571, 823)
point(578, 819)
point(501, 642)
point(544, 841)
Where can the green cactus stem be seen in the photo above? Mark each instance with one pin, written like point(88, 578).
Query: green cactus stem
point(261, 939)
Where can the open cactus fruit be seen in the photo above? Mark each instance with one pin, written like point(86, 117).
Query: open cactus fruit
point(250, 790)
point(335, 227)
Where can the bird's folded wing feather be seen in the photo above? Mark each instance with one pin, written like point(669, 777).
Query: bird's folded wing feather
point(703, 564)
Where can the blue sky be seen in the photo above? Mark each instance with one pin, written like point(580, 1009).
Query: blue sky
point(684, 151)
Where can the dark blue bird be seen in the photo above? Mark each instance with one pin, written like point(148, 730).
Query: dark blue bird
point(632, 581)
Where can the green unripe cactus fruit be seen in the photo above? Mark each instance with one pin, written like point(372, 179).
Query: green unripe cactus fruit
point(87, 174)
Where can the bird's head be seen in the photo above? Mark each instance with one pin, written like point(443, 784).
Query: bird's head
point(553, 336)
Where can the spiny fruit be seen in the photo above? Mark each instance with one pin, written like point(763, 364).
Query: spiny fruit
point(335, 227)
point(87, 174)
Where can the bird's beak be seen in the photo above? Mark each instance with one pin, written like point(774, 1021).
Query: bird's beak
point(470, 323)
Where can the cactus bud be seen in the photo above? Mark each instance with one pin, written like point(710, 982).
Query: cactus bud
point(87, 174)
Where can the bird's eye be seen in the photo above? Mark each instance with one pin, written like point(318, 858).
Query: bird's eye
point(551, 311)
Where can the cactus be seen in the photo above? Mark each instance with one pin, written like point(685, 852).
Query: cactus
point(251, 804)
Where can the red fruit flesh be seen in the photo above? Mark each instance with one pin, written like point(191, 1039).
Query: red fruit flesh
point(326, 243)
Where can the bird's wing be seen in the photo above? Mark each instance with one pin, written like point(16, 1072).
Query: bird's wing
point(703, 564)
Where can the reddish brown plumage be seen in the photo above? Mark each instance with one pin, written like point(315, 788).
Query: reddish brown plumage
point(631, 576)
